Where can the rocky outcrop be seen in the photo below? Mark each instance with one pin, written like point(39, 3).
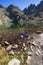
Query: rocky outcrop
point(30, 10)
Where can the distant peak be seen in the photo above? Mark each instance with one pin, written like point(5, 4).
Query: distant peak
point(41, 1)
point(32, 5)
point(12, 6)
point(40, 4)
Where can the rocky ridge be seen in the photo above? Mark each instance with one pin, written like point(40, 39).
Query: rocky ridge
point(13, 15)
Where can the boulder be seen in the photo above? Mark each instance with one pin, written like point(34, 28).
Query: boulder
point(14, 62)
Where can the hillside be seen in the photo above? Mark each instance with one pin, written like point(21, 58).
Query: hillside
point(35, 13)
point(13, 16)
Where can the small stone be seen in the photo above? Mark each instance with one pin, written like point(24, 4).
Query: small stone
point(15, 46)
point(28, 61)
point(9, 48)
point(23, 44)
point(39, 51)
point(21, 36)
point(19, 43)
point(25, 49)
point(30, 53)
point(6, 43)
point(36, 53)
point(38, 32)
point(27, 42)
point(34, 43)
point(28, 38)
point(18, 52)
point(11, 52)
point(24, 33)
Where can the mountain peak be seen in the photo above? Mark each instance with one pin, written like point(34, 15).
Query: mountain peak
point(41, 0)
point(12, 6)
point(30, 9)
point(32, 5)
point(41, 3)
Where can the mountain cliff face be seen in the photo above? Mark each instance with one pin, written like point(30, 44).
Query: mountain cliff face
point(35, 13)
point(16, 14)
point(4, 20)
point(13, 15)
point(32, 9)
point(39, 9)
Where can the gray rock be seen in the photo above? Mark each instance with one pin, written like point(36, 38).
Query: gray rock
point(25, 48)
point(24, 33)
point(21, 36)
point(15, 46)
point(28, 42)
point(6, 43)
point(28, 61)
point(9, 48)
point(23, 44)
point(11, 52)
point(30, 53)
point(38, 32)
point(34, 60)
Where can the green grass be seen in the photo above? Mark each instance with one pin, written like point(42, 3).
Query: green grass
point(17, 28)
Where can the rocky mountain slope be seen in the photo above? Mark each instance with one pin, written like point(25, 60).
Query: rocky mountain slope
point(13, 15)
point(33, 9)
point(16, 14)
point(4, 20)
point(35, 13)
